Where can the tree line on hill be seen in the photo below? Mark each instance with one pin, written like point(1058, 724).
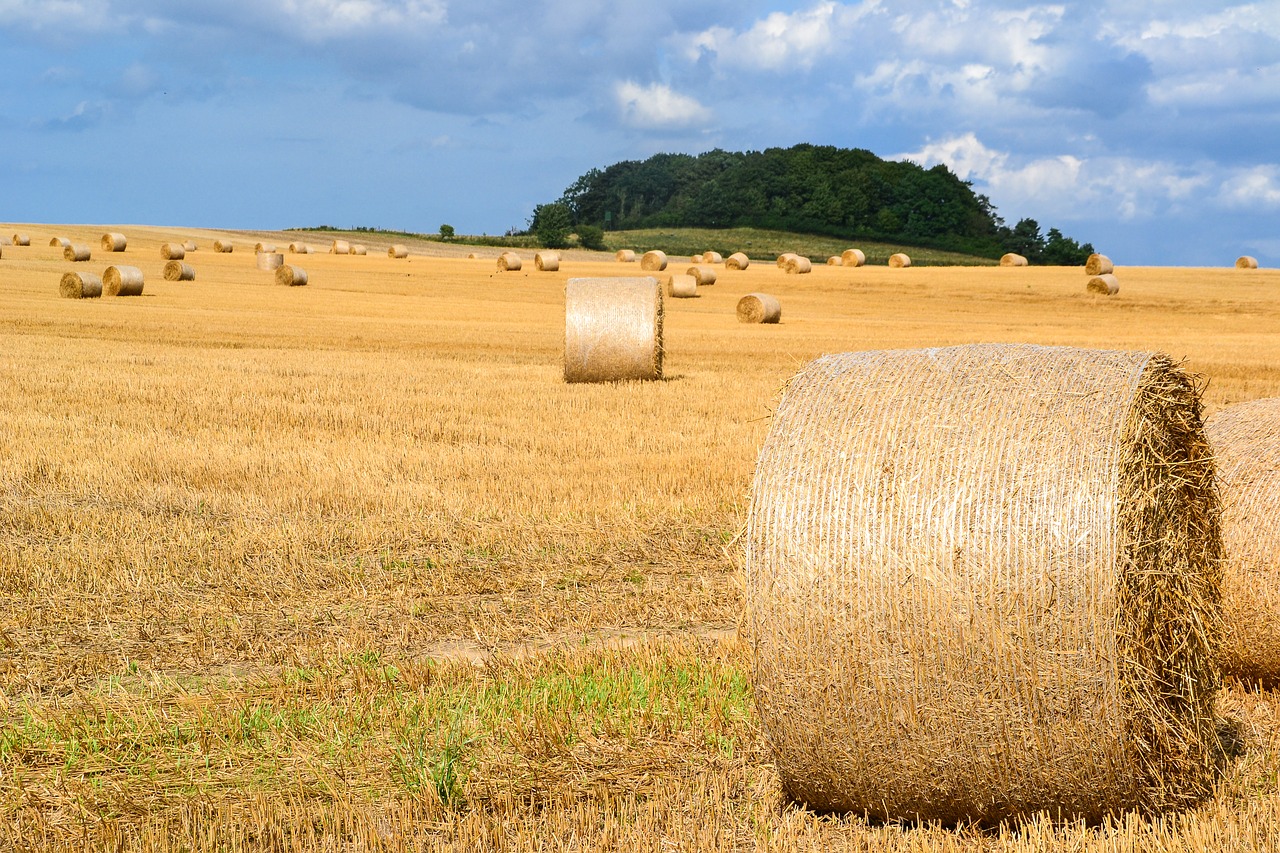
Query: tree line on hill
point(811, 189)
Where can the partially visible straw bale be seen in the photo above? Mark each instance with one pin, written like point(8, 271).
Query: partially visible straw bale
point(613, 329)
point(1244, 262)
point(899, 260)
point(359, 249)
point(1012, 259)
point(705, 276)
point(339, 247)
point(835, 261)
point(737, 261)
point(784, 259)
point(260, 248)
point(759, 308)
point(798, 265)
point(291, 276)
point(178, 271)
point(655, 260)
point(682, 286)
point(471, 256)
point(5, 241)
point(62, 242)
point(509, 262)
point(546, 261)
point(269, 261)
point(1106, 284)
point(76, 252)
point(113, 242)
point(223, 246)
point(626, 256)
point(22, 239)
point(299, 249)
point(853, 257)
point(172, 251)
point(122, 281)
point(712, 258)
point(1098, 265)
point(189, 246)
point(80, 285)
point(399, 251)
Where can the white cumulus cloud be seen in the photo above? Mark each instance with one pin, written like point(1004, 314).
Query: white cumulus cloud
point(1252, 189)
point(657, 105)
point(781, 40)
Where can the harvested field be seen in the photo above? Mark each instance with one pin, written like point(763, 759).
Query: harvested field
point(350, 566)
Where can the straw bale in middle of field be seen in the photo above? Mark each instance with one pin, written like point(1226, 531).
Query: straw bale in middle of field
point(269, 261)
point(703, 275)
point(397, 250)
point(1012, 259)
point(1097, 264)
point(625, 256)
point(1106, 284)
point(122, 281)
point(359, 249)
point(759, 308)
point(113, 242)
point(546, 261)
point(172, 251)
point(509, 262)
point(682, 286)
point(1246, 262)
point(654, 260)
point(797, 265)
point(291, 276)
point(737, 261)
point(80, 285)
point(853, 257)
point(178, 271)
point(612, 329)
point(61, 242)
point(223, 246)
point(76, 252)
point(260, 248)
point(899, 260)
point(299, 249)
point(339, 247)
point(712, 258)
point(21, 239)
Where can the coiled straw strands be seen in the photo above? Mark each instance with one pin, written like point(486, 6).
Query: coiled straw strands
point(546, 261)
point(1106, 284)
point(703, 275)
point(712, 258)
point(178, 271)
point(260, 248)
point(269, 261)
point(759, 308)
point(122, 281)
point(853, 257)
point(76, 252)
point(982, 582)
point(737, 261)
point(1244, 262)
point(1012, 259)
point(22, 239)
point(682, 286)
point(359, 249)
point(655, 260)
point(1246, 447)
point(339, 247)
point(172, 251)
point(612, 329)
point(299, 249)
point(80, 285)
point(113, 242)
point(222, 246)
point(626, 256)
point(1097, 264)
point(899, 260)
point(291, 276)
point(509, 262)
point(60, 241)
point(798, 265)
point(399, 251)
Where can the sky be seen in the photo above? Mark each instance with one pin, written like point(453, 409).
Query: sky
point(1149, 128)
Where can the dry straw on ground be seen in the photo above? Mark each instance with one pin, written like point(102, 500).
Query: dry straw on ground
point(654, 260)
point(509, 262)
point(76, 252)
point(223, 246)
point(759, 308)
point(299, 249)
point(546, 261)
point(1012, 259)
point(853, 257)
point(625, 256)
point(178, 271)
point(1097, 264)
point(5, 241)
point(983, 581)
point(712, 258)
point(1246, 445)
point(122, 281)
point(269, 261)
point(113, 242)
point(259, 248)
point(172, 251)
point(798, 265)
point(899, 260)
point(339, 247)
point(291, 276)
point(682, 286)
point(80, 285)
point(189, 245)
point(1246, 262)
point(612, 329)
point(398, 250)
point(359, 249)
point(737, 261)
point(60, 241)
point(703, 275)
point(1106, 284)
point(22, 239)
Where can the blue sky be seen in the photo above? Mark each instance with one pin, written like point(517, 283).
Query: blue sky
point(1151, 129)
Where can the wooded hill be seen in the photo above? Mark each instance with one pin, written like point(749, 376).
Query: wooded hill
point(812, 189)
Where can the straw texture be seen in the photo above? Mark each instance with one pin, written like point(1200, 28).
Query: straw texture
point(173, 251)
point(853, 257)
point(759, 308)
point(737, 261)
point(835, 261)
point(339, 247)
point(784, 259)
point(223, 246)
point(1244, 262)
point(178, 271)
point(269, 261)
point(712, 258)
point(983, 581)
point(1097, 264)
point(189, 245)
point(612, 329)
point(122, 281)
point(1246, 445)
point(299, 249)
point(22, 239)
point(798, 265)
point(291, 276)
point(80, 285)
point(5, 241)
point(899, 260)
point(546, 261)
point(626, 256)
point(76, 252)
point(509, 262)
point(113, 242)
point(359, 249)
point(398, 251)
point(1012, 259)
point(654, 260)
point(703, 275)
point(682, 286)
point(1106, 284)
point(259, 248)
point(60, 241)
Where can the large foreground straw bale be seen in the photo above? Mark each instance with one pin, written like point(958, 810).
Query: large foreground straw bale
point(853, 257)
point(1246, 446)
point(509, 262)
point(737, 261)
point(113, 242)
point(703, 275)
point(76, 252)
point(759, 308)
point(899, 260)
point(80, 285)
point(269, 261)
point(299, 249)
point(172, 251)
point(654, 260)
point(682, 286)
point(612, 329)
point(291, 276)
point(398, 251)
point(22, 239)
point(798, 265)
point(1097, 264)
point(1106, 284)
point(223, 246)
point(1244, 262)
point(983, 581)
point(626, 256)
point(122, 281)
point(178, 271)
point(546, 261)
point(1012, 259)
point(339, 247)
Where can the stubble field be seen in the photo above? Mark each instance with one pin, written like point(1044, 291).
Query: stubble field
point(349, 566)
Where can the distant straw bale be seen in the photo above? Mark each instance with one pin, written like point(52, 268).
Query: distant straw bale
point(269, 261)
point(1106, 284)
point(299, 249)
point(62, 242)
point(835, 261)
point(189, 246)
point(798, 265)
point(172, 251)
point(1244, 262)
point(291, 276)
point(1098, 265)
point(705, 276)
point(113, 242)
point(655, 260)
point(471, 256)
point(80, 285)
point(22, 239)
point(982, 584)
point(546, 261)
point(712, 258)
point(853, 257)
point(339, 247)
point(5, 241)
point(613, 329)
point(682, 286)
point(122, 281)
point(398, 250)
point(784, 258)
point(899, 260)
point(737, 261)
point(178, 271)
point(1012, 259)
point(759, 308)
point(359, 249)
point(626, 256)
point(509, 262)
point(259, 248)
point(223, 246)
point(76, 252)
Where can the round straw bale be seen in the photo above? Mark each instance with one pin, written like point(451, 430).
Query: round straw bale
point(222, 246)
point(626, 256)
point(703, 275)
point(1244, 262)
point(113, 242)
point(982, 582)
point(899, 260)
point(359, 249)
point(612, 329)
point(399, 251)
point(1012, 259)
point(291, 276)
point(784, 258)
point(547, 261)
point(1098, 265)
point(712, 258)
point(798, 265)
point(339, 247)
point(80, 285)
point(508, 262)
point(76, 252)
point(5, 241)
point(654, 260)
point(759, 308)
point(269, 260)
point(172, 251)
point(299, 249)
point(1106, 284)
point(682, 286)
point(471, 256)
point(737, 261)
point(835, 261)
point(1246, 447)
point(60, 241)
point(122, 281)
point(189, 246)
point(22, 239)
point(178, 271)
point(259, 248)
point(853, 257)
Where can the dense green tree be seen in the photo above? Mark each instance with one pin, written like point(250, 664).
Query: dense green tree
point(551, 224)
